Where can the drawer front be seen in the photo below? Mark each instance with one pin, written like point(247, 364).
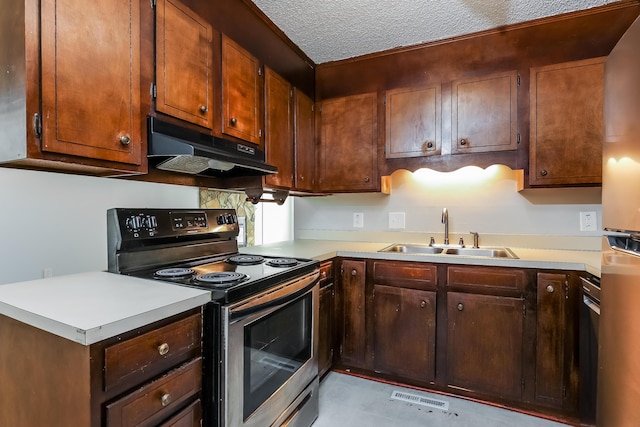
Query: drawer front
point(326, 272)
point(157, 400)
point(191, 416)
point(134, 359)
point(494, 278)
point(405, 274)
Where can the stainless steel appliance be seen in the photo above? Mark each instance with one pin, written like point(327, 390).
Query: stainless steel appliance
point(619, 333)
point(260, 335)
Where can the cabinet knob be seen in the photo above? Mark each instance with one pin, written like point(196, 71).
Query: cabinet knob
point(163, 349)
point(544, 172)
point(463, 141)
point(423, 304)
point(550, 289)
point(165, 399)
point(203, 109)
point(233, 121)
point(367, 179)
point(429, 144)
point(460, 306)
point(125, 140)
point(354, 272)
point(323, 274)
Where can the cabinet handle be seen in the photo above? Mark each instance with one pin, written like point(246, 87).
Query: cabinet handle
point(460, 306)
point(423, 304)
point(354, 272)
point(233, 121)
point(550, 289)
point(163, 349)
point(463, 141)
point(203, 109)
point(544, 172)
point(165, 399)
point(125, 140)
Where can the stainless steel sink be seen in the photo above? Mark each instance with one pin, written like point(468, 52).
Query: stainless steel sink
point(413, 249)
point(483, 252)
point(416, 248)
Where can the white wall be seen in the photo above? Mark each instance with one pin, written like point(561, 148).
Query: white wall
point(274, 223)
point(58, 221)
point(479, 200)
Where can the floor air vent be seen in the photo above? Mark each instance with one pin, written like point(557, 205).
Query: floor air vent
point(420, 400)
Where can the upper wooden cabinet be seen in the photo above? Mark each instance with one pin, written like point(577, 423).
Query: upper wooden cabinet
point(183, 63)
point(90, 84)
point(567, 125)
point(413, 122)
point(347, 158)
point(484, 113)
point(278, 99)
point(305, 145)
point(241, 93)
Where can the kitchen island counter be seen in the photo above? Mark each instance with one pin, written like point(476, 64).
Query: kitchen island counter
point(587, 260)
point(90, 307)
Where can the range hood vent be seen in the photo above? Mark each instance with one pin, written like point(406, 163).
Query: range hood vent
point(178, 149)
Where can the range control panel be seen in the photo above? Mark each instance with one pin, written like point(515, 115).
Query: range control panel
point(151, 224)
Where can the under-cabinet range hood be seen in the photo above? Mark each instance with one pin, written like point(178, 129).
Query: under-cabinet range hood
point(178, 149)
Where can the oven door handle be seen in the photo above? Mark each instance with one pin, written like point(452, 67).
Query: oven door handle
point(591, 304)
point(278, 296)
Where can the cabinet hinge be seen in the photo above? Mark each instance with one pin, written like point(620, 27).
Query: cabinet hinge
point(566, 289)
point(522, 384)
point(518, 80)
point(153, 4)
point(260, 133)
point(260, 71)
point(313, 107)
point(340, 350)
point(564, 391)
point(524, 310)
point(153, 91)
point(518, 138)
point(37, 125)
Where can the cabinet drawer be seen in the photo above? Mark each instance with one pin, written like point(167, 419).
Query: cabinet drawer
point(134, 359)
point(158, 399)
point(326, 272)
point(191, 416)
point(489, 278)
point(406, 275)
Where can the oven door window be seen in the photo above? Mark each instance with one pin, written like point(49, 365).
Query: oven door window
point(275, 347)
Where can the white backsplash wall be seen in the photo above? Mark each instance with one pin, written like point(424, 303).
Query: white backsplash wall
point(479, 200)
point(58, 221)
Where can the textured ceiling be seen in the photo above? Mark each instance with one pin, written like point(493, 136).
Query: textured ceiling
point(330, 30)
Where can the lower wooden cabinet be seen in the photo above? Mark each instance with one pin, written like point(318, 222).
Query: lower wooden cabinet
point(485, 338)
point(351, 306)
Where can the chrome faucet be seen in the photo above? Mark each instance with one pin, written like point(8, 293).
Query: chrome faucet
point(445, 221)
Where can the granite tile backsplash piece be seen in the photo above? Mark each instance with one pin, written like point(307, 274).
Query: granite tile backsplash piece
point(223, 199)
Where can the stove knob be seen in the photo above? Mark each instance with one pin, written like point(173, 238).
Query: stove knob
point(220, 219)
point(134, 223)
point(152, 221)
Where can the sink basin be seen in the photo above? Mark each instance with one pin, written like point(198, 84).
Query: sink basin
point(435, 250)
point(484, 252)
point(412, 249)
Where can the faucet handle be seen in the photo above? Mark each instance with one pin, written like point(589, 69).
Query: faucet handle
point(461, 242)
point(476, 237)
point(432, 241)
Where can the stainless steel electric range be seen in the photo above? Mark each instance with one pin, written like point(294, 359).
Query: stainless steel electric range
point(260, 328)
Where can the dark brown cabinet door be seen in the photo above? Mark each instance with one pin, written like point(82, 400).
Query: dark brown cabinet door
point(484, 113)
point(278, 128)
point(485, 344)
point(241, 93)
point(352, 311)
point(404, 332)
point(326, 325)
point(91, 79)
point(183, 63)
point(555, 379)
point(567, 125)
point(305, 146)
point(413, 125)
point(348, 144)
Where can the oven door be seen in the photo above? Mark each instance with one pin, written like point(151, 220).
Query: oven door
point(270, 354)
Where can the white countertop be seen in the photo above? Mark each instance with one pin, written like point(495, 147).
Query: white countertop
point(588, 261)
point(90, 307)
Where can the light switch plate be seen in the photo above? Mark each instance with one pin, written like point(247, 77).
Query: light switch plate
point(396, 220)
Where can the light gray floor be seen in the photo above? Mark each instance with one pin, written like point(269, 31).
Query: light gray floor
point(355, 402)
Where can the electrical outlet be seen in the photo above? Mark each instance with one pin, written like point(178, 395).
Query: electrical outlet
point(396, 220)
point(588, 221)
point(47, 272)
point(358, 220)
